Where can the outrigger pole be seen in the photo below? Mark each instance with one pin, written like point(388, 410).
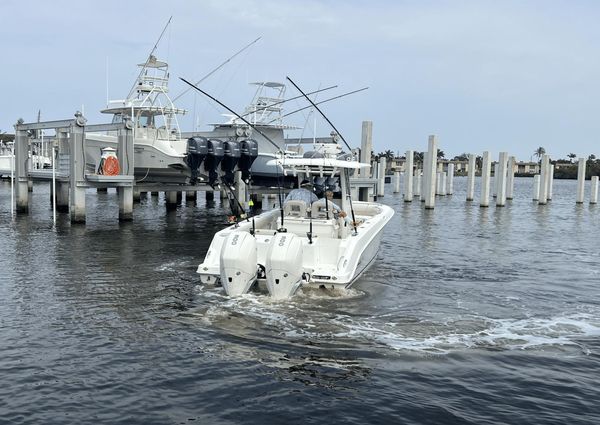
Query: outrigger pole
point(267, 138)
point(349, 194)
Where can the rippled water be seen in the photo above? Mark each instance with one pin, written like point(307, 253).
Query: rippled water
point(469, 315)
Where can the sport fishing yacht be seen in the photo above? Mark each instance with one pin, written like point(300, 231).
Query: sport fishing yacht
point(307, 241)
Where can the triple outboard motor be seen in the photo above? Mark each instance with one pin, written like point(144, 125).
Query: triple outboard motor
point(197, 149)
point(213, 159)
point(231, 156)
point(248, 154)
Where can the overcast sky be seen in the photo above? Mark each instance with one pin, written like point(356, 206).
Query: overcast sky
point(481, 75)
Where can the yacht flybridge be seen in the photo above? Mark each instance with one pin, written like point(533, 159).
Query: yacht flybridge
point(308, 241)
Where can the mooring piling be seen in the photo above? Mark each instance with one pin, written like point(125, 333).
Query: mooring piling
point(510, 177)
point(485, 180)
point(396, 181)
point(580, 181)
point(450, 181)
point(431, 167)
point(417, 183)
point(536, 187)
point(408, 176)
point(471, 178)
point(594, 190)
point(501, 177)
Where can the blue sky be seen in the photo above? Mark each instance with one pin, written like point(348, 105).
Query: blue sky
point(481, 75)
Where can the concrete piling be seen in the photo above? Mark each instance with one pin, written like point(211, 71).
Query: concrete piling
point(495, 185)
point(438, 183)
point(408, 176)
point(417, 183)
point(471, 178)
point(510, 177)
point(501, 177)
point(396, 181)
point(430, 173)
point(594, 190)
point(126, 195)
point(381, 177)
point(550, 180)
point(22, 198)
point(485, 180)
point(171, 199)
point(536, 187)
point(366, 146)
point(580, 181)
point(77, 177)
point(543, 199)
point(450, 180)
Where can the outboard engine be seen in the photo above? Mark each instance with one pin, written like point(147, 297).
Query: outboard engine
point(231, 156)
point(197, 149)
point(213, 159)
point(238, 266)
point(284, 265)
point(248, 154)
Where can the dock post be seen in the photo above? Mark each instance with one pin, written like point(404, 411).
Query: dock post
point(432, 167)
point(485, 180)
point(580, 181)
point(495, 185)
point(594, 190)
point(424, 178)
point(191, 195)
point(21, 159)
point(550, 180)
point(62, 187)
point(450, 182)
point(209, 195)
point(366, 146)
point(240, 191)
point(443, 182)
point(77, 181)
point(408, 176)
point(471, 178)
point(381, 177)
point(536, 187)
point(171, 199)
point(396, 181)
point(501, 176)
point(417, 184)
point(544, 180)
point(126, 155)
point(510, 178)
point(137, 195)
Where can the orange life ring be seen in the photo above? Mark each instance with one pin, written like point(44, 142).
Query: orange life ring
point(110, 167)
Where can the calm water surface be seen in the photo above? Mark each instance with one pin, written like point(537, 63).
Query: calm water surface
point(469, 316)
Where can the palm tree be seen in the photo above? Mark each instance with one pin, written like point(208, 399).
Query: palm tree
point(539, 152)
point(441, 154)
point(571, 156)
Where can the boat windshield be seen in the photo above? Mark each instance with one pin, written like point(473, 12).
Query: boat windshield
point(302, 195)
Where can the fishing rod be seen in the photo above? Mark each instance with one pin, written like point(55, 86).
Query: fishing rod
point(322, 101)
point(218, 67)
point(267, 138)
point(150, 56)
point(346, 143)
point(262, 108)
point(320, 112)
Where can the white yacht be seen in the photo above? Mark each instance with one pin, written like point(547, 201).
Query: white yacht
point(159, 149)
point(306, 242)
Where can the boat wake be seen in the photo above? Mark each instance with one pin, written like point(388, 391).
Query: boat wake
point(312, 317)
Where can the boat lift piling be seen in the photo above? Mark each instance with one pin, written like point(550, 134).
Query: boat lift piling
point(485, 180)
point(543, 198)
point(396, 181)
point(450, 181)
point(417, 184)
point(594, 190)
point(580, 181)
point(471, 178)
point(72, 179)
point(510, 178)
point(536, 187)
point(430, 169)
point(408, 176)
point(501, 177)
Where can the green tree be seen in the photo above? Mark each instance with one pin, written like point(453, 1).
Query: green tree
point(571, 156)
point(539, 152)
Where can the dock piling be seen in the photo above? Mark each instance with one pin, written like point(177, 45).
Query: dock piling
point(408, 176)
point(580, 181)
point(485, 180)
point(471, 178)
point(594, 190)
point(430, 171)
point(510, 177)
point(536, 187)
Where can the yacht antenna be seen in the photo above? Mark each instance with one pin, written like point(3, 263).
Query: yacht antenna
point(262, 108)
point(319, 102)
point(254, 128)
point(217, 68)
point(149, 57)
